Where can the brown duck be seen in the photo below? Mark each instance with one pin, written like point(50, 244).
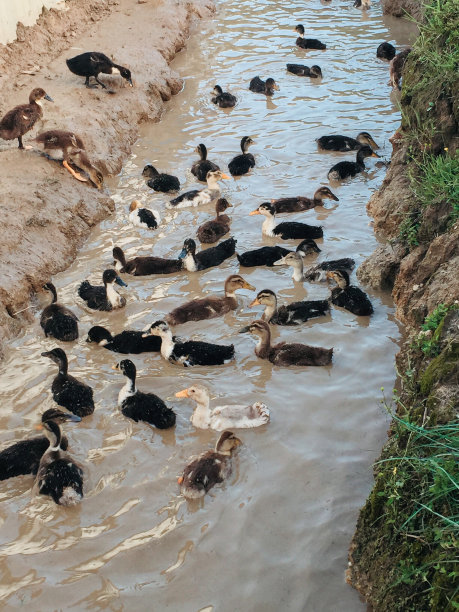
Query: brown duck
point(143, 266)
point(21, 119)
point(213, 230)
point(288, 205)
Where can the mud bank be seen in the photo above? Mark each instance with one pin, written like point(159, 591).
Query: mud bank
point(46, 214)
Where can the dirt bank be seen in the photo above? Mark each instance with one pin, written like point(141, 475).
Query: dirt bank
point(46, 214)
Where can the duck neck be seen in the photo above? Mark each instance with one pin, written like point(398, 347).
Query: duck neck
point(317, 199)
point(268, 226)
point(120, 258)
point(360, 159)
point(63, 366)
point(270, 311)
point(212, 184)
point(201, 414)
point(53, 292)
point(113, 296)
point(190, 262)
point(127, 390)
point(298, 271)
point(54, 436)
point(167, 344)
point(263, 345)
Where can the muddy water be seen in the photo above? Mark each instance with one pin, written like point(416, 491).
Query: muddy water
point(276, 536)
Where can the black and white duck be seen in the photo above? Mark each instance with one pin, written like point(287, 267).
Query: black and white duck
point(201, 168)
point(347, 296)
point(290, 230)
point(140, 406)
point(145, 265)
point(242, 163)
point(208, 258)
point(143, 217)
point(68, 391)
point(223, 99)
point(314, 72)
point(386, 51)
point(336, 142)
point(199, 197)
point(265, 87)
point(106, 297)
point(21, 119)
point(290, 314)
point(58, 321)
point(300, 203)
point(283, 354)
point(307, 43)
point(211, 306)
point(160, 181)
point(128, 341)
point(24, 456)
point(92, 63)
point(210, 468)
point(211, 231)
point(317, 272)
point(346, 169)
point(191, 352)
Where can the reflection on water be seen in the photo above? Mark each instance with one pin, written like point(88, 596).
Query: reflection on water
point(275, 536)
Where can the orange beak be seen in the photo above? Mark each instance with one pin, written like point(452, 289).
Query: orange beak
point(254, 303)
point(255, 212)
point(180, 480)
point(225, 176)
point(183, 393)
point(39, 427)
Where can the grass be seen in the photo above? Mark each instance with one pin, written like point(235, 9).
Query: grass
point(428, 339)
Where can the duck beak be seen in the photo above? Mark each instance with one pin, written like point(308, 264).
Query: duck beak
point(254, 212)
point(119, 281)
point(131, 84)
point(373, 144)
point(254, 303)
point(333, 197)
point(276, 86)
point(116, 366)
point(182, 254)
point(244, 330)
point(374, 154)
point(48, 98)
point(39, 427)
point(225, 176)
point(180, 480)
point(73, 418)
point(247, 285)
point(279, 262)
point(183, 393)
point(329, 275)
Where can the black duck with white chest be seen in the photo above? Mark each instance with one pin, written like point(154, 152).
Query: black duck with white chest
point(199, 197)
point(314, 72)
point(213, 256)
point(300, 203)
point(213, 230)
point(201, 168)
point(291, 230)
point(346, 169)
point(21, 119)
point(143, 217)
point(223, 99)
point(92, 63)
point(336, 142)
point(307, 43)
point(68, 391)
point(265, 87)
point(290, 314)
point(347, 296)
point(106, 297)
point(58, 321)
point(128, 341)
point(143, 266)
point(241, 164)
point(160, 181)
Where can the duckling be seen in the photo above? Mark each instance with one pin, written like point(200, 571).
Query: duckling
point(386, 51)
point(363, 4)
point(213, 230)
point(201, 168)
point(307, 43)
point(210, 468)
point(283, 354)
point(191, 352)
point(92, 63)
point(211, 306)
point(24, 457)
point(346, 169)
point(58, 475)
point(336, 142)
point(241, 164)
point(197, 197)
point(266, 87)
point(300, 203)
point(347, 296)
point(315, 273)
point(128, 341)
point(143, 217)
point(106, 297)
point(58, 321)
point(223, 417)
point(300, 70)
point(223, 98)
point(265, 256)
point(287, 230)
point(68, 391)
point(291, 314)
point(143, 266)
point(140, 406)
point(21, 119)
point(59, 143)
point(213, 256)
point(160, 182)
point(396, 67)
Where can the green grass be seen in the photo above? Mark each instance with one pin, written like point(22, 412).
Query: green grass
point(428, 339)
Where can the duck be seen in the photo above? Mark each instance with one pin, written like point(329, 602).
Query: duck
point(56, 320)
point(363, 4)
point(291, 314)
point(300, 203)
point(264, 256)
point(212, 256)
point(21, 119)
point(386, 51)
point(143, 217)
point(128, 341)
point(58, 475)
point(211, 306)
point(106, 297)
point(140, 406)
point(223, 99)
point(315, 273)
point(396, 66)
point(347, 296)
point(223, 417)
point(24, 456)
point(190, 352)
point(201, 168)
point(210, 468)
point(213, 230)
point(283, 354)
point(241, 164)
point(92, 63)
point(160, 182)
point(143, 266)
point(291, 230)
point(68, 391)
point(314, 72)
point(346, 169)
point(307, 43)
point(199, 197)
point(336, 142)
point(266, 87)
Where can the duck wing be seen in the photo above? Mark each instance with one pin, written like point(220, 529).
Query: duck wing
point(299, 312)
point(73, 394)
point(204, 472)
point(59, 322)
point(150, 408)
point(202, 167)
point(227, 417)
point(295, 230)
point(131, 341)
point(215, 255)
point(196, 352)
point(264, 256)
point(188, 196)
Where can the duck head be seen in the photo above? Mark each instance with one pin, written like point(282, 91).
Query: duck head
point(99, 335)
point(158, 328)
point(201, 150)
point(246, 141)
point(235, 282)
point(227, 443)
point(307, 246)
point(299, 29)
point(38, 94)
point(365, 139)
point(271, 84)
point(53, 414)
point(198, 393)
point(340, 277)
point(127, 367)
point(109, 277)
point(213, 176)
point(217, 90)
point(257, 328)
point(366, 151)
point(221, 205)
point(266, 209)
point(189, 247)
point(149, 172)
point(265, 297)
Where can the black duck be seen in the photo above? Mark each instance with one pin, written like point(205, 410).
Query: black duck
point(106, 297)
point(58, 321)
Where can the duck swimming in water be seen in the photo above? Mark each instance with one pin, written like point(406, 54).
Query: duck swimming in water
point(223, 99)
point(160, 182)
point(300, 203)
point(307, 43)
point(21, 119)
point(92, 63)
point(314, 72)
point(213, 230)
point(198, 197)
point(315, 273)
point(347, 296)
point(128, 341)
point(346, 169)
point(143, 217)
point(241, 164)
point(143, 266)
point(287, 230)
point(58, 321)
point(208, 258)
point(291, 314)
point(265, 87)
point(210, 468)
point(336, 142)
point(201, 168)
point(106, 297)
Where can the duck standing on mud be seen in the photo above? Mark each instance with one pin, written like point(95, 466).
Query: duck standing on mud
point(21, 119)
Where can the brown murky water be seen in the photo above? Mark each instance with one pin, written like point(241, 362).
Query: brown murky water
point(276, 536)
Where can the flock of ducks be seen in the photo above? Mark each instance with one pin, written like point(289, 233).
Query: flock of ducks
point(57, 474)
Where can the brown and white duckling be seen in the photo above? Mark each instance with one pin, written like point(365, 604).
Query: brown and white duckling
point(143, 217)
point(199, 197)
point(283, 354)
point(67, 145)
point(208, 258)
point(347, 296)
point(307, 43)
point(211, 306)
point(106, 297)
point(346, 169)
point(223, 99)
point(266, 87)
point(314, 72)
point(159, 181)
point(213, 230)
point(290, 314)
point(202, 167)
point(291, 230)
point(21, 119)
point(92, 63)
point(300, 203)
point(316, 273)
point(144, 265)
point(223, 417)
point(336, 142)
point(241, 164)
point(210, 468)
point(58, 321)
